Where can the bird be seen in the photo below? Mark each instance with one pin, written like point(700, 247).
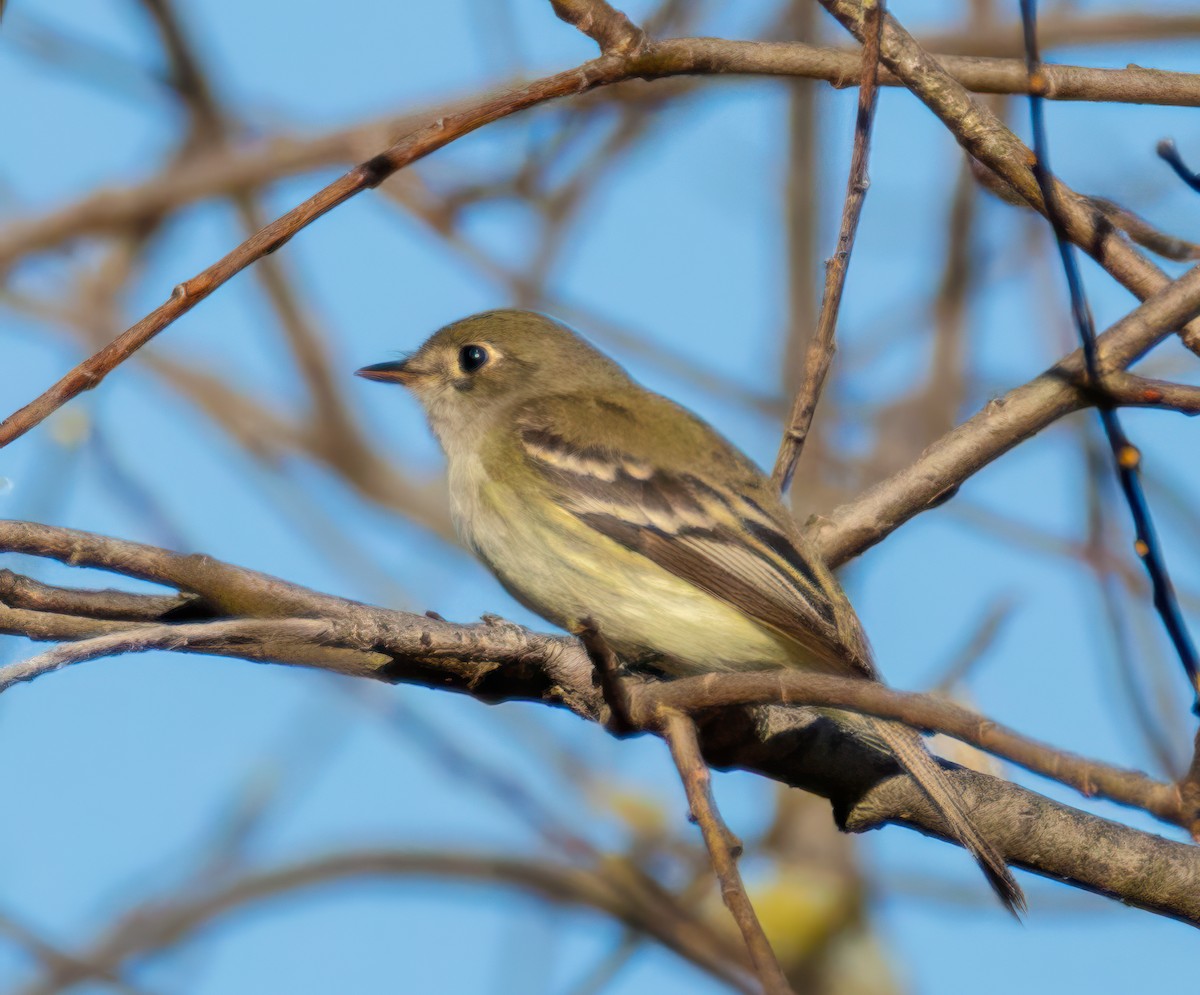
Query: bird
point(598, 503)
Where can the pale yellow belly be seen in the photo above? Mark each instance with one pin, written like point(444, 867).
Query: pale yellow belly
point(567, 572)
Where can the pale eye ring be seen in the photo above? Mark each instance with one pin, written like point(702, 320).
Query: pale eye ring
point(472, 358)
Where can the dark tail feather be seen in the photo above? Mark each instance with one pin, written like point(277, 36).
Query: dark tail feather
point(909, 748)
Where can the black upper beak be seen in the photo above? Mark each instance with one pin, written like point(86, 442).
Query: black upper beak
point(393, 372)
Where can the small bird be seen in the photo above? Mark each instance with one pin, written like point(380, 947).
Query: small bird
point(596, 501)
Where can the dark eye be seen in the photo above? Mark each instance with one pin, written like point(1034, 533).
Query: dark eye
point(472, 358)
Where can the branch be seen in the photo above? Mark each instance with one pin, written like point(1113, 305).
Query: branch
point(983, 135)
point(230, 170)
point(164, 924)
point(999, 426)
point(229, 636)
point(669, 58)
point(496, 661)
point(821, 346)
point(723, 847)
point(605, 25)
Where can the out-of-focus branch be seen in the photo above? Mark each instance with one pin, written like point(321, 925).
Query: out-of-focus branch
point(329, 429)
point(495, 661)
point(802, 199)
point(164, 924)
point(1066, 29)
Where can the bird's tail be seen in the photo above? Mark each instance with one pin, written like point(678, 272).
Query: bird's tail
point(909, 749)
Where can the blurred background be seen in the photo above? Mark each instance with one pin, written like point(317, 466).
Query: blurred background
point(194, 825)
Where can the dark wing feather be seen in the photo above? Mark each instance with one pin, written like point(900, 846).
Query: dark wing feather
point(690, 527)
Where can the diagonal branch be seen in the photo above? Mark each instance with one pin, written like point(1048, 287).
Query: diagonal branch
point(821, 346)
point(687, 56)
point(982, 134)
point(999, 426)
point(723, 847)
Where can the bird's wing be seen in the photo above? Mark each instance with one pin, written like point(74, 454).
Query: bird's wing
point(631, 472)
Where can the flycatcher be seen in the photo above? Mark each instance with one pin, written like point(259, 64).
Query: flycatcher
point(590, 497)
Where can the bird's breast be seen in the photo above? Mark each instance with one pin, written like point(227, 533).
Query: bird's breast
point(566, 571)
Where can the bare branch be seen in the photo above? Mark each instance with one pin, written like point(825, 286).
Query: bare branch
point(677, 57)
point(1001, 425)
point(226, 635)
point(496, 661)
point(821, 346)
point(723, 847)
point(163, 924)
point(604, 24)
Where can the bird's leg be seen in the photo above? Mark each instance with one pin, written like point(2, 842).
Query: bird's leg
point(606, 672)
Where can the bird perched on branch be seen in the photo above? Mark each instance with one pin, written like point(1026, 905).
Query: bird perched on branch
point(597, 502)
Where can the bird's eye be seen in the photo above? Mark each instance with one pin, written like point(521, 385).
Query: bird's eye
point(472, 358)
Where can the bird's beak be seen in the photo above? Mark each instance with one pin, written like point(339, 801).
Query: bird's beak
point(397, 371)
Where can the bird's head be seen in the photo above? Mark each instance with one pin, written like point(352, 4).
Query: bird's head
point(466, 374)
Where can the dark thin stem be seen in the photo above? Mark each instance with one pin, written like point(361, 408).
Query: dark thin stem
point(1126, 456)
point(1170, 155)
point(821, 348)
point(607, 675)
point(723, 847)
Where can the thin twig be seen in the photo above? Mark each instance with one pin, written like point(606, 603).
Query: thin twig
point(821, 347)
point(1126, 457)
point(143, 638)
point(723, 847)
point(1169, 153)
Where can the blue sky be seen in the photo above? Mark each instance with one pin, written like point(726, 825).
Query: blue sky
point(121, 770)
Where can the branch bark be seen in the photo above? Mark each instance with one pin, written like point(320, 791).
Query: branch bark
point(1000, 426)
point(496, 661)
point(821, 347)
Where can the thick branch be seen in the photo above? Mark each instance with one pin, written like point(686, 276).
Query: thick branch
point(604, 24)
point(499, 662)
